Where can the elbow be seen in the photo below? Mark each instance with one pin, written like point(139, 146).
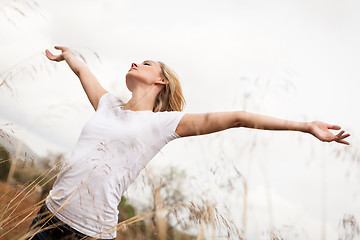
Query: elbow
point(240, 119)
point(78, 73)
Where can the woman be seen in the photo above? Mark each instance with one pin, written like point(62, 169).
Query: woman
point(121, 138)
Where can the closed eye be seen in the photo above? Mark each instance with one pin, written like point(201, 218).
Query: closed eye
point(146, 63)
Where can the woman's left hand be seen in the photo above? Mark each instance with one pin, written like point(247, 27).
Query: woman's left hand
point(321, 131)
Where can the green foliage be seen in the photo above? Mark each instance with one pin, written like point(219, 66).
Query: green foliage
point(5, 163)
point(125, 210)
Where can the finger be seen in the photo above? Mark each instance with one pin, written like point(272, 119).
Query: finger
point(61, 48)
point(340, 133)
point(343, 142)
point(48, 52)
point(337, 137)
point(334, 138)
point(335, 127)
point(50, 55)
point(344, 136)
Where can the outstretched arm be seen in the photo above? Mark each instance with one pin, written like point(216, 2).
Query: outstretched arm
point(205, 123)
point(91, 85)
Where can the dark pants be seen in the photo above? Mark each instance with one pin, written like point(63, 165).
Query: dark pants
point(51, 228)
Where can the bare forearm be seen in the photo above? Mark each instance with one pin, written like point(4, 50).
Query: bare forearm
point(257, 121)
point(91, 85)
point(74, 63)
point(205, 123)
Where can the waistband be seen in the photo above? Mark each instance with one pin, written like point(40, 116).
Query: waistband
point(63, 226)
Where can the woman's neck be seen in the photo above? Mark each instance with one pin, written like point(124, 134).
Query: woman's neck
point(141, 101)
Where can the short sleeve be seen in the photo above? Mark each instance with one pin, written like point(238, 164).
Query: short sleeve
point(107, 101)
point(169, 122)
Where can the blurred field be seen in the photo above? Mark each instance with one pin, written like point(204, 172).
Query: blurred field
point(23, 188)
point(12, 204)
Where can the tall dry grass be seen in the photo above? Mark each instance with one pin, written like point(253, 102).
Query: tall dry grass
point(24, 201)
point(159, 222)
point(165, 217)
point(19, 205)
point(21, 201)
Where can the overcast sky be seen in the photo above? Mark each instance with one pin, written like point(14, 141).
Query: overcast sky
point(289, 59)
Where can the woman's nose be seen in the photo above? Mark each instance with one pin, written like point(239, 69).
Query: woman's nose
point(133, 65)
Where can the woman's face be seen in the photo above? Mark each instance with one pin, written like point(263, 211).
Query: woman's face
point(147, 72)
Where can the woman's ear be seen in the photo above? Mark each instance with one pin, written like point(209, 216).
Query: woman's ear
point(161, 81)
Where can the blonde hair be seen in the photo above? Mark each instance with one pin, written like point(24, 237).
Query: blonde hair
point(170, 98)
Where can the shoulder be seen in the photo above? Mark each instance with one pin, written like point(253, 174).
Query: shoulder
point(170, 114)
point(109, 100)
point(170, 119)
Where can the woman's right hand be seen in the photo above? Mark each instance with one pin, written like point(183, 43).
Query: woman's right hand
point(59, 57)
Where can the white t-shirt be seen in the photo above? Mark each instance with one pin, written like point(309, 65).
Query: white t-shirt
point(113, 147)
